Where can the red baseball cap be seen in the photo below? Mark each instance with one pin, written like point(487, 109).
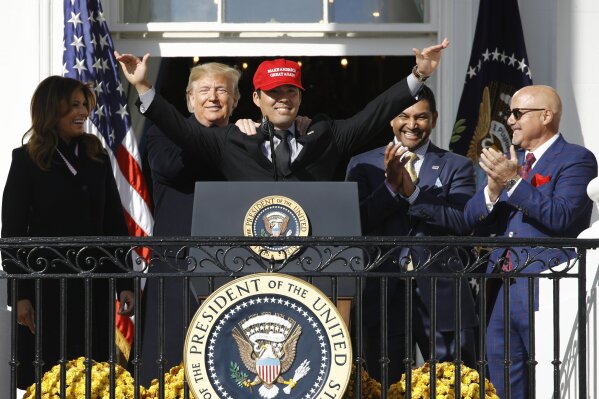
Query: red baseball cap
point(279, 72)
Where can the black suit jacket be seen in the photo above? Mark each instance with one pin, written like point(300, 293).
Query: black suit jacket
point(56, 203)
point(327, 142)
point(446, 182)
point(174, 173)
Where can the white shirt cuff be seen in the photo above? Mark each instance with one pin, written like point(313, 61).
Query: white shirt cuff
point(146, 100)
point(490, 204)
point(414, 85)
point(412, 198)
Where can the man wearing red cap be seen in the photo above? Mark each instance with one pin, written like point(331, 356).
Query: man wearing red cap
point(277, 83)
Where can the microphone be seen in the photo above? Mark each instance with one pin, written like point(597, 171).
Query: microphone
point(268, 129)
point(266, 126)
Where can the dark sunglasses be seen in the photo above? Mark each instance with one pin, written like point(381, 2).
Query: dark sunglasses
point(518, 112)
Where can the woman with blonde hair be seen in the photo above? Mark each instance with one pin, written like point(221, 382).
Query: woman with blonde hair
point(60, 184)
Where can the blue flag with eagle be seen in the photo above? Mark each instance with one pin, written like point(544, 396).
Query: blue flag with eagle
point(498, 67)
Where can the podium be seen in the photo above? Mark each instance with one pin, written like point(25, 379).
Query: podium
point(225, 209)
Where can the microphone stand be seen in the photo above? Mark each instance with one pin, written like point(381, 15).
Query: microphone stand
point(268, 128)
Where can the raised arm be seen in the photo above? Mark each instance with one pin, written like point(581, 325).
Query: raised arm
point(205, 142)
point(135, 70)
point(428, 59)
point(353, 132)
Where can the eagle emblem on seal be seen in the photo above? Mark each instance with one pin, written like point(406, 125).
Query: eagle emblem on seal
point(276, 223)
point(267, 346)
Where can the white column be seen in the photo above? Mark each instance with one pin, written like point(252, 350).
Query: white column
point(31, 49)
point(568, 328)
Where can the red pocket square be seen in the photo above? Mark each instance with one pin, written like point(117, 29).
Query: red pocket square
point(539, 180)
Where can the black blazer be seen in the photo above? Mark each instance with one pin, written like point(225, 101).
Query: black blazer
point(56, 203)
point(174, 173)
point(326, 144)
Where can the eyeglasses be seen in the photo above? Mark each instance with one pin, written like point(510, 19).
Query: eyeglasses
point(518, 112)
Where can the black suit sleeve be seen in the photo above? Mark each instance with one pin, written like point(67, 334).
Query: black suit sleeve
point(352, 133)
point(114, 222)
point(164, 156)
point(16, 203)
point(207, 143)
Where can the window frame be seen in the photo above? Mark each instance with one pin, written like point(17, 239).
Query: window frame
point(170, 39)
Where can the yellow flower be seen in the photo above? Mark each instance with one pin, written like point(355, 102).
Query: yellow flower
point(371, 389)
point(173, 385)
point(445, 383)
point(75, 382)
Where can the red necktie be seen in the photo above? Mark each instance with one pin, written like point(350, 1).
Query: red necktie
point(525, 170)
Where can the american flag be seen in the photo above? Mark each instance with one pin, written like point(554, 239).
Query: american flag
point(88, 57)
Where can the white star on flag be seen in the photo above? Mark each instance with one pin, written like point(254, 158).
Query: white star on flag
point(78, 42)
point(75, 20)
point(84, 27)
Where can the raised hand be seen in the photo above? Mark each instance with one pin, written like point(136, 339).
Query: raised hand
point(428, 59)
point(135, 70)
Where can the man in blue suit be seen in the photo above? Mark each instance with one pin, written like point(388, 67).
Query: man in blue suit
point(430, 202)
point(538, 191)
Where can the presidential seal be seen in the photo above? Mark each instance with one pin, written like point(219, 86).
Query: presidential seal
point(275, 216)
point(267, 336)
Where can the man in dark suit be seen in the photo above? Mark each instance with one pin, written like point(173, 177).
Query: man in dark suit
point(212, 95)
point(413, 188)
point(538, 191)
point(277, 83)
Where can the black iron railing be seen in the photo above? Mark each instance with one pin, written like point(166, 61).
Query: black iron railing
point(334, 263)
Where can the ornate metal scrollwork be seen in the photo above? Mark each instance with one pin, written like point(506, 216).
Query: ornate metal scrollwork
point(235, 256)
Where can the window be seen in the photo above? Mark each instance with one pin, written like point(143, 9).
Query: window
point(280, 11)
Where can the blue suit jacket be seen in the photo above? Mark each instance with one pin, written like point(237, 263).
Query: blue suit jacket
point(446, 182)
point(557, 208)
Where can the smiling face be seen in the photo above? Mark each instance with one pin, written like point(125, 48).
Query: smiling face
point(537, 126)
point(212, 99)
point(279, 104)
point(71, 123)
point(414, 125)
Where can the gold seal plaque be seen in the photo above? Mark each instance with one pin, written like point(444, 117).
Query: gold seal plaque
point(275, 216)
point(267, 336)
